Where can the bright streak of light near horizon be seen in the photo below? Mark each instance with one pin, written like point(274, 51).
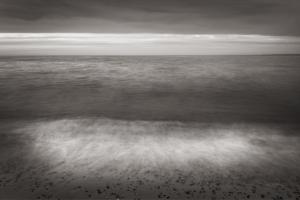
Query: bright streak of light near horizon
point(145, 44)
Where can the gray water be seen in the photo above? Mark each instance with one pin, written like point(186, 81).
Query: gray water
point(180, 88)
point(172, 127)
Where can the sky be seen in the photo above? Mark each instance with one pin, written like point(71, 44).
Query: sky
point(149, 27)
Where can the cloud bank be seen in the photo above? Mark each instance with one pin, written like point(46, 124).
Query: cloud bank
point(263, 17)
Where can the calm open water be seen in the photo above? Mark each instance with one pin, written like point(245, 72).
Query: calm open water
point(183, 88)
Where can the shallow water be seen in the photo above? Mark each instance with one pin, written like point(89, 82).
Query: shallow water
point(184, 88)
point(115, 159)
point(153, 127)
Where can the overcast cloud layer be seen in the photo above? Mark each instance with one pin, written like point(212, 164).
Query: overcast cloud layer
point(264, 17)
point(134, 27)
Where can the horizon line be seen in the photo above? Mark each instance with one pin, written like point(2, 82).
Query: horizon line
point(145, 44)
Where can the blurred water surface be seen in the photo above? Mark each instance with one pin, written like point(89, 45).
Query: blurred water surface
point(189, 127)
point(181, 88)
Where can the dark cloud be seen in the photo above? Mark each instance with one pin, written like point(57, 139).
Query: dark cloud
point(272, 17)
